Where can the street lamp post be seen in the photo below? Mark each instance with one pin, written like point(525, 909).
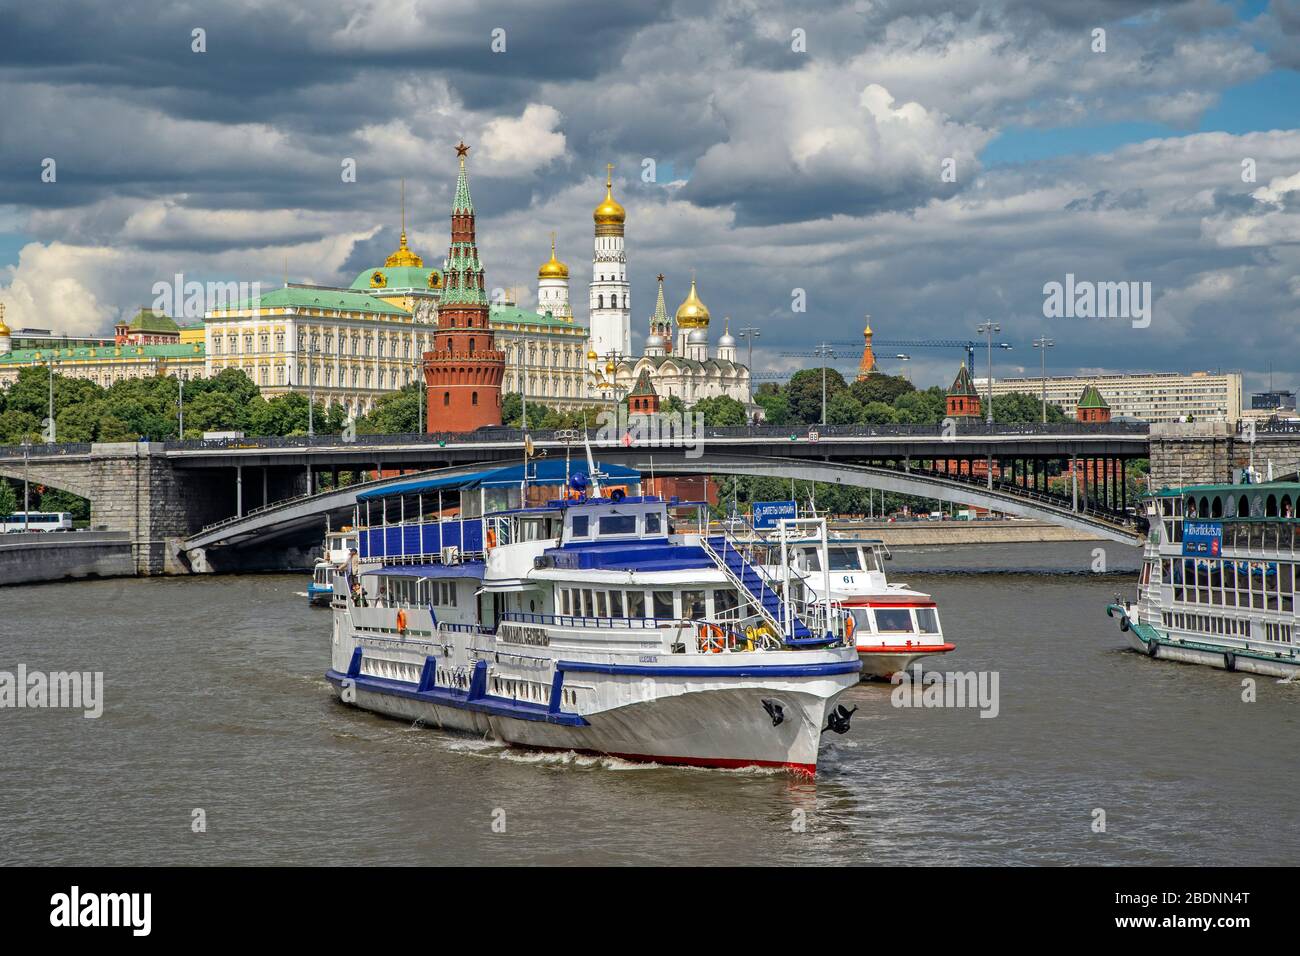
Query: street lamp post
point(750, 332)
point(50, 435)
point(907, 369)
point(180, 407)
point(988, 329)
point(1043, 344)
point(826, 352)
point(311, 390)
point(27, 464)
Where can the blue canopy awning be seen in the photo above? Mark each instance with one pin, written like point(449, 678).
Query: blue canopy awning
point(548, 471)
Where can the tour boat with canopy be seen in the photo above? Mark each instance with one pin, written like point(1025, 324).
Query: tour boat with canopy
point(561, 610)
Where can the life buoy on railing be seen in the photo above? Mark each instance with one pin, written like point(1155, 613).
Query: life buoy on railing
point(401, 621)
point(850, 625)
point(711, 640)
point(491, 538)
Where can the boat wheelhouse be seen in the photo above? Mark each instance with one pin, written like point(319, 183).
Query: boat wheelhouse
point(553, 611)
point(334, 553)
point(1218, 578)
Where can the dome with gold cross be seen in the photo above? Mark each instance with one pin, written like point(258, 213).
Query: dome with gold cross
point(609, 212)
point(553, 268)
point(692, 313)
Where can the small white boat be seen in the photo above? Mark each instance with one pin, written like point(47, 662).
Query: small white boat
point(334, 554)
point(892, 625)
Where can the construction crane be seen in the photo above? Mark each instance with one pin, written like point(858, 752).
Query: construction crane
point(969, 345)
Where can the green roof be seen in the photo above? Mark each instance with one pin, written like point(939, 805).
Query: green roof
point(515, 315)
point(1091, 398)
point(147, 320)
point(102, 352)
point(311, 297)
point(399, 277)
point(962, 384)
point(643, 385)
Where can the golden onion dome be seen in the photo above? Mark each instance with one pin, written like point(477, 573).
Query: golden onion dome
point(692, 313)
point(553, 268)
point(403, 256)
point(609, 212)
point(4, 329)
point(591, 355)
point(609, 367)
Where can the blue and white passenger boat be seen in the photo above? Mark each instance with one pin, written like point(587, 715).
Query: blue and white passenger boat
point(1219, 578)
point(548, 611)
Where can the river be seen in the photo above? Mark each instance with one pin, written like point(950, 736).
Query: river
point(215, 701)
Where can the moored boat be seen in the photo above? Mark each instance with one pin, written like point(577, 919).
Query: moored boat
point(334, 553)
point(1218, 577)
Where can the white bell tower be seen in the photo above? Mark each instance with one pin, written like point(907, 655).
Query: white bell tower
point(610, 302)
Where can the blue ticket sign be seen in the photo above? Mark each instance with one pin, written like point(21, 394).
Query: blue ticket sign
point(768, 513)
point(1203, 538)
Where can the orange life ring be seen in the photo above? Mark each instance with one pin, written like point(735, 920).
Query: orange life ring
point(850, 625)
point(491, 538)
point(711, 641)
point(401, 621)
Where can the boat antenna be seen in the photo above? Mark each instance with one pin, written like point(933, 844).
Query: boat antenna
point(591, 466)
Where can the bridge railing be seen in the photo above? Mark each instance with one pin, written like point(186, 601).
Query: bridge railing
point(45, 449)
point(503, 435)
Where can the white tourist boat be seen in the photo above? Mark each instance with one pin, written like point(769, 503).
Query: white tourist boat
point(338, 545)
point(513, 605)
point(1218, 578)
point(891, 625)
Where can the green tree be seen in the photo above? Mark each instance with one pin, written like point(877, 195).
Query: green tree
point(844, 409)
point(17, 425)
point(721, 411)
point(9, 498)
point(776, 407)
point(395, 413)
point(878, 413)
point(880, 388)
point(804, 393)
point(55, 499)
point(1018, 408)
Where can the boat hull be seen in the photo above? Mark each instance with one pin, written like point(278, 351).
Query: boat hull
point(1228, 658)
point(882, 663)
point(719, 727)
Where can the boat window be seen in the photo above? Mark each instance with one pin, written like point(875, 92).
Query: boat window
point(693, 605)
point(653, 522)
point(618, 524)
point(663, 604)
point(871, 560)
point(580, 524)
point(861, 618)
point(616, 604)
point(599, 606)
point(928, 620)
point(724, 600)
point(812, 559)
point(636, 604)
point(894, 620)
point(564, 601)
point(843, 559)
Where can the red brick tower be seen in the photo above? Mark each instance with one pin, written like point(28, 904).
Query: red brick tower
point(643, 399)
point(963, 401)
point(1092, 407)
point(465, 368)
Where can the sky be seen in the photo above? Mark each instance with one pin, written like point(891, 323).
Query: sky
point(935, 165)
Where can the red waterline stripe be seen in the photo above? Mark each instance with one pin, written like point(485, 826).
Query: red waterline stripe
point(905, 648)
point(712, 763)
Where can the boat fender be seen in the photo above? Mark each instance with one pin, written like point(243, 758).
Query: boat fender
point(1229, 661)
point(1153, 646)
point(1123, 623)
point(401, 621)
point(850, 625)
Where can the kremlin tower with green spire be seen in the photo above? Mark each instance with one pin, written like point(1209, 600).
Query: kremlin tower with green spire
point(464, 369)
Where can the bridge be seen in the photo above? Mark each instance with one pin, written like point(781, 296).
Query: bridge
point(242, 503)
